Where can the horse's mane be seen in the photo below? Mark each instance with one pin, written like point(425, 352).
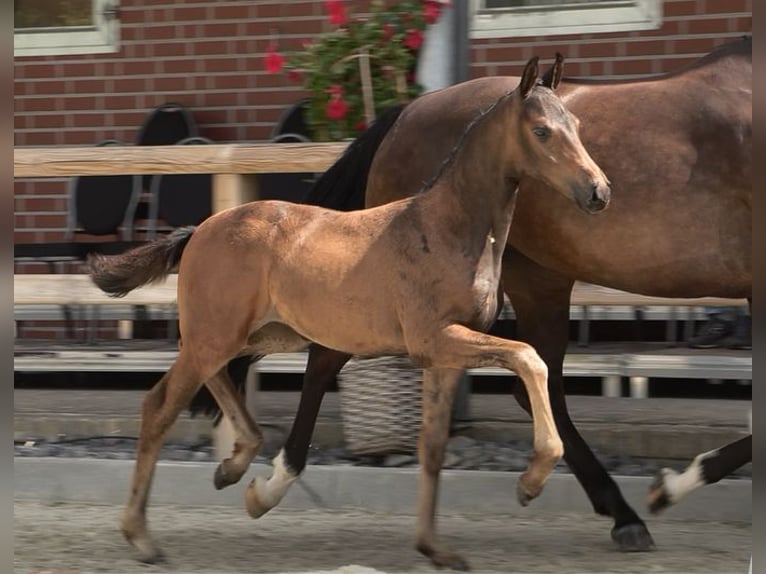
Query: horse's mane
point(741, 47)
point(450, 159)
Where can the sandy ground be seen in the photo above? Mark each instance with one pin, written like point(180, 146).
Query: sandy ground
point(78, 538)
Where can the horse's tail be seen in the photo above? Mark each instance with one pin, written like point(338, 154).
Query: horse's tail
point(119, 274)
point(342, 186)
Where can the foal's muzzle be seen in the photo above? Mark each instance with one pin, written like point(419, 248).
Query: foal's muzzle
point(593, 197)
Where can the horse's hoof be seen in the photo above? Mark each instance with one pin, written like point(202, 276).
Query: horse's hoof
point(658, 497)
point(633, 538)
point(254, 503)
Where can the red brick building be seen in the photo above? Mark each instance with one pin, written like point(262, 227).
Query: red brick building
point(208, 55)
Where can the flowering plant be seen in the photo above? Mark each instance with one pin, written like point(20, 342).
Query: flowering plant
point(360, 67)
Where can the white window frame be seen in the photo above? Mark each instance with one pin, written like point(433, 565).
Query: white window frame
point(616, 16)
point(101, 37)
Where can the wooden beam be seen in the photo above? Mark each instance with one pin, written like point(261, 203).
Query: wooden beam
point(232, 189)
point(216, 158)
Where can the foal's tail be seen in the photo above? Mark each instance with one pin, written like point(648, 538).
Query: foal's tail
point(342, 186)
point(118, 275)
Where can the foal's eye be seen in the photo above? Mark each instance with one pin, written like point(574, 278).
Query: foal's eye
point(541, 132)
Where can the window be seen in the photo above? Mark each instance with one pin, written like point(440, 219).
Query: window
point(51, 27)
point(515, 18)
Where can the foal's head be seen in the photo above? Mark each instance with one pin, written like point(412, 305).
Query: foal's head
point(548, 143)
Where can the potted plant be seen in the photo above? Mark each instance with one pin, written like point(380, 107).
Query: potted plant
point(360, 67)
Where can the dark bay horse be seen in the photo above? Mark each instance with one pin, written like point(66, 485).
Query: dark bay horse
point(678, 151)
point(420, 276)
point(670, 486)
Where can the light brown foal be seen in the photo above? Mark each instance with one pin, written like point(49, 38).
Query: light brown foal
point(419, 276)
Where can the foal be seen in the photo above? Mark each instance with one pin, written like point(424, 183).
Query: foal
point(419, 276)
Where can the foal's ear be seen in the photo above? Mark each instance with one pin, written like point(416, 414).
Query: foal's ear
point(552, 77)
point(529, 77)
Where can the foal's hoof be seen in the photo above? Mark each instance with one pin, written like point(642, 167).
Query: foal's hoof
point(658, 497)
point(148, 553)
point(633, 538)
point(444, 559)
point(255, 503)
point(524, 494)
point(157, 558)
point(221, 479)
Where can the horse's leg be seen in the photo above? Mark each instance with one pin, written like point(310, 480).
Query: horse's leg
point(160, 409)
point(249, 438)
point(323, 366)
point(439, 387)
point(540, 301)
point(669, 486)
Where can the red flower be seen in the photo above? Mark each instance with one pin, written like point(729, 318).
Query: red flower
point(337, 12)
point(432, 9)
point(295, 76)
point(360, 126)
point(414, 39)
point(336, 90)
point(274, 61)
point(336, 108)
point(388, 31)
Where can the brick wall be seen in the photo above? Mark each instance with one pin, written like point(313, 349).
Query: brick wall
point(208, 55)
point(690, 29)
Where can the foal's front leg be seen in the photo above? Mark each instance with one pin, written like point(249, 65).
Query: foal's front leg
point(439, 387)
point(458, 346)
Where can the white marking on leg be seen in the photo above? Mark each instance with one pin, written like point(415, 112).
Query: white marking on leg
point(272, 491)
point(678, 485)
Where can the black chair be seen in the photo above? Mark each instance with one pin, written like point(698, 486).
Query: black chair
point(99, 205)
point(285, 186)
point(180, 199)
point(293, 120)
point(291, 127)
point(167, 124)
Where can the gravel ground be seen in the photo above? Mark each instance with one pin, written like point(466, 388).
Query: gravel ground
point(462, 453)
point(85, 539)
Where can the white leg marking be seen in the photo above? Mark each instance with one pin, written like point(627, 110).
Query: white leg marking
point(678, 485)
point(262, 495)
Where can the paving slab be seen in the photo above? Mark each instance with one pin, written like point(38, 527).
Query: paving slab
point(655, 427)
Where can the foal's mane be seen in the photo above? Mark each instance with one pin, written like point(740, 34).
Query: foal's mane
point(449, 161)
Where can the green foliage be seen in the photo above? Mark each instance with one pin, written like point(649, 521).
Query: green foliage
point(333, 60)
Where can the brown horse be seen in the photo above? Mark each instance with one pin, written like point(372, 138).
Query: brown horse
point(420, 276)
point(678, 150)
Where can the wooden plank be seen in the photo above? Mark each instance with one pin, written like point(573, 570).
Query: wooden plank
point(215, 158)
point(77, 289)
point(679, 363)
point(587, 294)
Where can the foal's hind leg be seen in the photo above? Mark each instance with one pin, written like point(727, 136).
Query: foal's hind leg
point(439, 387)
point(161, 407)
point(248, 436)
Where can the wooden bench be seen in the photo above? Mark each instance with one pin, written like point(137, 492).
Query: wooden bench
point(37, 296)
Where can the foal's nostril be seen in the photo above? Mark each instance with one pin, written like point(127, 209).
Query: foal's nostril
point(598, 198)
